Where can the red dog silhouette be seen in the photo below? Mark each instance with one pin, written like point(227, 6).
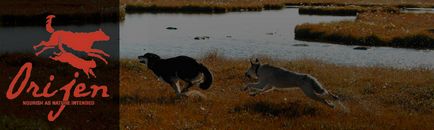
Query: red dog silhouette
point(78, 41)
point(75, 61)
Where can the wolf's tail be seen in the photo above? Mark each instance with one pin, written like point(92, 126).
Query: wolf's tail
point(48, 26)
point(207, 78)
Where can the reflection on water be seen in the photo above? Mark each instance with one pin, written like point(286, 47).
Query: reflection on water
point(33, 35)
point(418, 10)
point(245, 34)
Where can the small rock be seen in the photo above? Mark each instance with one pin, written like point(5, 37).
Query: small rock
point(270, 33)
point(201, 38)
point(171, 28)
point(361, 48)
point(301, 45)
point(228, 36)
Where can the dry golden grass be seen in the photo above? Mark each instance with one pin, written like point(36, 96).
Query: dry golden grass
point(344, 10)
point(377, 29)
point(378, 98)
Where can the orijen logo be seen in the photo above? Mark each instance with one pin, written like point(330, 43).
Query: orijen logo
point(76, 41)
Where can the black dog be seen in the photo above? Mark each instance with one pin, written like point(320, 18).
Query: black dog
point(177, 68)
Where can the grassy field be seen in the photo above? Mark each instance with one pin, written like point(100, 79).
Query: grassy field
point(378, 98)
point(221, 6)
point(374, 29)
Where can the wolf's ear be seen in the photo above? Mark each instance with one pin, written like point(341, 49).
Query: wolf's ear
point(256, 61)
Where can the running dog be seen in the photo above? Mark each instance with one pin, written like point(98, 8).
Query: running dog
point(174, 69)
point(271, 77)
point(78, 41)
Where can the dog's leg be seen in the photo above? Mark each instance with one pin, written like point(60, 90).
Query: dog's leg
point(97, 56)
point(39, 45)
point(309, 92)
point(42, 50)
point(186, 87)
point(92, 73)
point(175, 86)
point(98, 52)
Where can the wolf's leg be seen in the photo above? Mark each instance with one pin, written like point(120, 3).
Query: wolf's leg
point(98, 52)
point(249, 86)
point(309, 92)
point(260, 87)
point(42, 50)
point(266, 89)
point(256, 86)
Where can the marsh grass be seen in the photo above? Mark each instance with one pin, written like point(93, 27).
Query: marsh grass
point(393, 3)
point(374, 29)
point(222, 6)
point(343, 10)
point(200, 6)
point(378, 98)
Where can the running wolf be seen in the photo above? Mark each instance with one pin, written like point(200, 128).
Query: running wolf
point(270, 77)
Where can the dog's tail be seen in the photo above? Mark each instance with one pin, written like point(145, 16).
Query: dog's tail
point(48, 26)
point(207, 78)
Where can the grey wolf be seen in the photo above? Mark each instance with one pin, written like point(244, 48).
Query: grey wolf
point(271, 77)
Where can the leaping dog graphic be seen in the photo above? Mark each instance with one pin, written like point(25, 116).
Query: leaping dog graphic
point(78, 41)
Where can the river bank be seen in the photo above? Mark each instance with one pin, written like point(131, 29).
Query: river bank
point(408, 30)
